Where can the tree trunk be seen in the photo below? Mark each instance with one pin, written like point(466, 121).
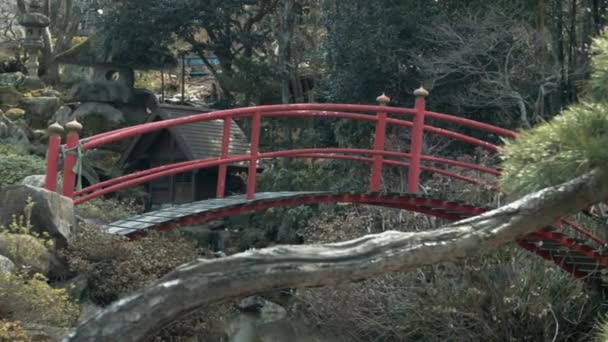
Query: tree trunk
point(204, 282)
point(560, 54)
point(572, 53)
point(285, 37)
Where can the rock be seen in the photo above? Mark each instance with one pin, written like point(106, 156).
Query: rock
point(52, 213)
point(264, 321)
point(39, 110)
point(44, 333)
point(15, 113)
point(18, 135)
point(104, 110)
point(64, 115)
point(11, 78)
point(6, 265)
point(34, 180)
point(30, 83)
point(101, 91)
point(50, 92)
point(9, 95)
point(265, 309)
point(26, 251)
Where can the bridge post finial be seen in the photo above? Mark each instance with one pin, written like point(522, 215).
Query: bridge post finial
point(73, 126)
point(71, 157)
point(383, 100)
point(417, 140)
point(421, 92)
point(52, 156)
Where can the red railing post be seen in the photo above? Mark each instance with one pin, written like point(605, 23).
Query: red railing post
point(417, 140)
point(379, 139)
point(255, 149)
point(71, 157)
point(223, 169)
point(52, 156)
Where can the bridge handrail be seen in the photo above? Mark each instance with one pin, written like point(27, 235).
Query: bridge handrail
point(180, 167)
point(344, 111)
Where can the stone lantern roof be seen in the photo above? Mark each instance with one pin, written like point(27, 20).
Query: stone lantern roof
point(34, 20)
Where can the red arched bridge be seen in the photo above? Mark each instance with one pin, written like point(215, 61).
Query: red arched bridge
point(571, 247)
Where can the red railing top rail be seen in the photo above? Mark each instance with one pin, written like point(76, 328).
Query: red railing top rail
point(276, 110)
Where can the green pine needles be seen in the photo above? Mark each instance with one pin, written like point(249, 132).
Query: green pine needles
point(569, 145)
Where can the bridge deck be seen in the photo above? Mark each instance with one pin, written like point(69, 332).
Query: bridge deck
point(147, 221)
point(584, 259)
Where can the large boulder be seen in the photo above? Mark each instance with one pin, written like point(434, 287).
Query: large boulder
point(52, 213)
point(6, 265)
point(39, 110)
point(9, 96)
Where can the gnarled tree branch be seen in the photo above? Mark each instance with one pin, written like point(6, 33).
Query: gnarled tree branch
point(203, 282)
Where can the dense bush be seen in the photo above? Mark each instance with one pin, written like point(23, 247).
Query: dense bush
point(13, 167)
point(117, 266)
point(31, 299)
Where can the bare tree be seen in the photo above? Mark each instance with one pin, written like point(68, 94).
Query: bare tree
point(502, 61)
point(203, 282)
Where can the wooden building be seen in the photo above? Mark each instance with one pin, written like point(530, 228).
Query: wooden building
point(183, 143)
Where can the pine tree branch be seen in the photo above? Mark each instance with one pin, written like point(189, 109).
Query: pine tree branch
point(204, 282)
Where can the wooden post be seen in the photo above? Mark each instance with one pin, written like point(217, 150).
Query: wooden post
point(52, 156)
point(253, 160)
point(379, 139)
point(71, 157)
point(417, 140)
point(223, 168)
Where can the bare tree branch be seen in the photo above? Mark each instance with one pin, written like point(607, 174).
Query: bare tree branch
point(203, 282)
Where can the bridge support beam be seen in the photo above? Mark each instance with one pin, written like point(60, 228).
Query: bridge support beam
point(255, 149)
point(417, 141)
point(52, 156)
point(379, 139)
point(71, 157)
point(223, 169)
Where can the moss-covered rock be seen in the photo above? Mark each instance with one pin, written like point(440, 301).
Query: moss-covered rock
point(15, 114)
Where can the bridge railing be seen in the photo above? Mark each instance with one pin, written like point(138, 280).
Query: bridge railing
point(377, 156)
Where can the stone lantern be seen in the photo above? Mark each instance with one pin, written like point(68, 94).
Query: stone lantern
point(35, 23)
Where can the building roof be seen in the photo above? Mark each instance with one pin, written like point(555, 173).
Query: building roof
point(197, 140)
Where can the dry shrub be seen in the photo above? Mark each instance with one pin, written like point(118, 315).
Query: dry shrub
point(117, 266)
point(508, 295)
point(12, 332)
point(107, 210)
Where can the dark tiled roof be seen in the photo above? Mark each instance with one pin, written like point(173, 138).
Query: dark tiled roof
point(203, 139)
point(197, 140)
